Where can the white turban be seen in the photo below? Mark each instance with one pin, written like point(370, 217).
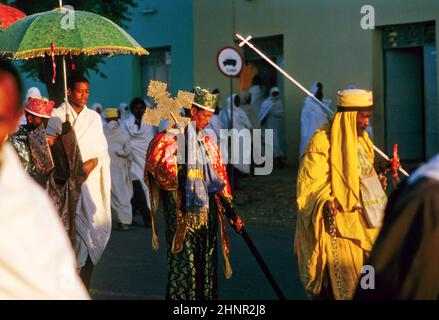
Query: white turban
point(33, 92)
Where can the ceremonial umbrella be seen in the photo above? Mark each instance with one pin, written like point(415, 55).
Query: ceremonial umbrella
point(66, 32)
point(8, 15)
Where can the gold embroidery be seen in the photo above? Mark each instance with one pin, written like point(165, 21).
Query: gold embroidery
point(196, 221)
point(195, 174)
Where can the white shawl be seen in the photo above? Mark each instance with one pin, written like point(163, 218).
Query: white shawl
point(93, 214)
point(119, 148)
point(240, 152)
point(429, 170)
point(140, 139)
point(36, 258)
point(311, 119)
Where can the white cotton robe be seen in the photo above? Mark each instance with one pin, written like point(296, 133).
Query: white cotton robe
point(37, 261)
point(119, 148)
point(93, 214)
point(311, 119)
point(214, 130)
point(271, 115)
point(140, 139)
point(256, 97)
point(240, 152)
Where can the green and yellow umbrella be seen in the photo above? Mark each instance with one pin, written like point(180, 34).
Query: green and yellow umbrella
point(66, 32)
point(73, 33)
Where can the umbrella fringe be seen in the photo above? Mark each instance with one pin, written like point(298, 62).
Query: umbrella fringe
point(37, 53)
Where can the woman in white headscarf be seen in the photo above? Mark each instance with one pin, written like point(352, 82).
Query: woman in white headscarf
point(313, 116)
point(271, 116)
point(256, 93)
point(100, 110)
point(124, 109)
point(241, 153)
point(250, 111)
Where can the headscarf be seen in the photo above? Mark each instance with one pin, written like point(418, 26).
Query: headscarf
point(313, 89)
point(267, 105)
point(429, 170)
point(124, 109)
point(95, 107)
point(345, 176)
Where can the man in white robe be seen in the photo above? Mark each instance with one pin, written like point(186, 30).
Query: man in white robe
point(99, 109)
point(271, 115)
point(119, 148)
point(215, 126)
point(240, 155)
point(256, 93)
point(312, 116)
point(36, 259)
point(93, 213)
point(124, 109)
point(141, 135)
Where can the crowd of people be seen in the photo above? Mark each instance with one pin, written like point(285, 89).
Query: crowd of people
point(68, 173)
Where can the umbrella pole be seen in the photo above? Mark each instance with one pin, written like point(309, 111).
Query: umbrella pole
point(65, 77)
point(65, 86)
point(64, 68)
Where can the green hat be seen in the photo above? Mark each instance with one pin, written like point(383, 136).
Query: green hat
point(204, 99)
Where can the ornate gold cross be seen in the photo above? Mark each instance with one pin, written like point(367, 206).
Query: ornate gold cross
point(167, 108)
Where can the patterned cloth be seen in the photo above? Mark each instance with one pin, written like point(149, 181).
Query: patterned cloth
point(34, 153)
point(8, 15)
point(192, 272)
point(191, 234)
point(201, 179)
point(20, 142)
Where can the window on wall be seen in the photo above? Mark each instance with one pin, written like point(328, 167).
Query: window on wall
point(409, 35)
point(157, 66)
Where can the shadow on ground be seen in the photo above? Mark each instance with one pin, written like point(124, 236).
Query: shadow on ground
point(129, 269)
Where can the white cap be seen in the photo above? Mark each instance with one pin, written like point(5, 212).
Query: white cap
point(33, 92)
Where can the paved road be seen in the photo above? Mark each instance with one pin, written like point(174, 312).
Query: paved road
point(129, 269)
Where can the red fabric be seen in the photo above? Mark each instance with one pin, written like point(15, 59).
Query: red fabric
point(39, 107)
point(161, 161)
point(8, 15)
point(52, 54)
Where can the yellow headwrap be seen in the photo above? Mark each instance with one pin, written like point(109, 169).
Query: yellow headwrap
point(345, 178)
point(111, 113)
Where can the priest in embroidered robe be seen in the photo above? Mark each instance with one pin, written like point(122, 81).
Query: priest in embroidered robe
point(30, 141)
point(93, 212)
point(188, 165)
point(340, 201)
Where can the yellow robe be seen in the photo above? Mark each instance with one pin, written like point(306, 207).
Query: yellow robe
point(319, 254)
